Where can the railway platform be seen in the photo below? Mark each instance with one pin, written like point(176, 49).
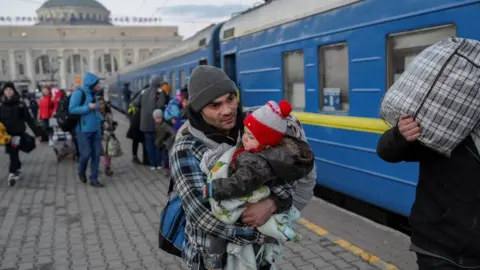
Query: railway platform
point(50, 220)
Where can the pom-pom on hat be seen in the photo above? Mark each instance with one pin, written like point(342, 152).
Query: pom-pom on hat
point(268, 123)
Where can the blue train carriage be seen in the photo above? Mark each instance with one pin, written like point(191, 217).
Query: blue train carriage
point(111, 91)
point(176, 63)
point(334, 60)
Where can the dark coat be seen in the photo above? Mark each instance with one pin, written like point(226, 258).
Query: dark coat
point(134, 132)
point(163, 132)
point(286, 163)
point(14, 115)
point(149, 100)
point(446, 212)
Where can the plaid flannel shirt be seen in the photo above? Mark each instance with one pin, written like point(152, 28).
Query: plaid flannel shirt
point(189, 179)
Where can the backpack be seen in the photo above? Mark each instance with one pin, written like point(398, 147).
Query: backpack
point(171, 233)
point(67, 121)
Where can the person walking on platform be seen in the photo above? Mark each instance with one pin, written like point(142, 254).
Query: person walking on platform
point(88, 129)
point(13, 115)
point(446, 211)
point(46, 108)
point(151, 99)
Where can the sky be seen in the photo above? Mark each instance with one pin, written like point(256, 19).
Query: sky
point(189, 15)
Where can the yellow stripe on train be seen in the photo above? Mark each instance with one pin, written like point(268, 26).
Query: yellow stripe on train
point(364, 124)
point(372, 125)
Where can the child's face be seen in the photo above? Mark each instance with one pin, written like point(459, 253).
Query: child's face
point(249, 141)
point(184, 103)
point(158, 120)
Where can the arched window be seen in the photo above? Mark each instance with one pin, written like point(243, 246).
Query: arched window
point(44, 65)
point(107, 63)
point(77, 64)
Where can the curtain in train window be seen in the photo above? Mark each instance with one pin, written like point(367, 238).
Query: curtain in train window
point(294, 79)
point(182, 79)
point(403, 47)
point(333, 63)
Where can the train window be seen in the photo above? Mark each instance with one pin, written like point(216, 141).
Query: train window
point(172, 83)
point(333, 63)
point(164, 77)
point(294, 79)
point(403, 47)
point(182, 78)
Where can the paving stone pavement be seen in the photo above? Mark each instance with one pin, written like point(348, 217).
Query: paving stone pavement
point(50, 220)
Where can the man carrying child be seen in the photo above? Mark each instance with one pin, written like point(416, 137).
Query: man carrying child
point(215, 118)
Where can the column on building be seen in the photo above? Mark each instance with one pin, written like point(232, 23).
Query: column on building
point(135, 55)
point(30, 69)
point(62, 69)
point(12, 65)
point(121, 59)
point(91, 61)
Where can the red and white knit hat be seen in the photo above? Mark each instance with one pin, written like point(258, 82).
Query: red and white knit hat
point(268, 123)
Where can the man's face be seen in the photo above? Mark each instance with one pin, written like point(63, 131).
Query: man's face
point(97, 87)
point(222, 113)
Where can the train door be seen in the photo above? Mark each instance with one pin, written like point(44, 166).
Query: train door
point(230, 66)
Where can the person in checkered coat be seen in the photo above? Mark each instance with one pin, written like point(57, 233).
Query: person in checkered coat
point(214, 117)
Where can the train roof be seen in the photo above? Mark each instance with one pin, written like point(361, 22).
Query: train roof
point(275, 13)
point(199, 40)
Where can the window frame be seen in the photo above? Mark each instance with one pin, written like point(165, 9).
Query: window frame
point(284, 78)
point(321, 77)
point(390, 38)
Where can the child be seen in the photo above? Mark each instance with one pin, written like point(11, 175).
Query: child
point(267, 157)
point(174, 113)
point(108, 128)
point(163, 132)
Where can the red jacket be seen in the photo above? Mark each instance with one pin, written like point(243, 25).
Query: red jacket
point(46, 107)
point(57, 98)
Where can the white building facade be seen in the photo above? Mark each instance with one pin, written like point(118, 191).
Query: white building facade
point(74, 37)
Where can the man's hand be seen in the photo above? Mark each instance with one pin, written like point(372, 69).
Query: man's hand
point(257, 214)
point(409, 129)
point(92, 106)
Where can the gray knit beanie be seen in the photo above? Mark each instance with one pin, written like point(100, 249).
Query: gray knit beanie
point(206, 84)
point(157, 113)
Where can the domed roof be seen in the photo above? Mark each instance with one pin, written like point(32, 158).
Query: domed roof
point(73, 12)
point(73, 3)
